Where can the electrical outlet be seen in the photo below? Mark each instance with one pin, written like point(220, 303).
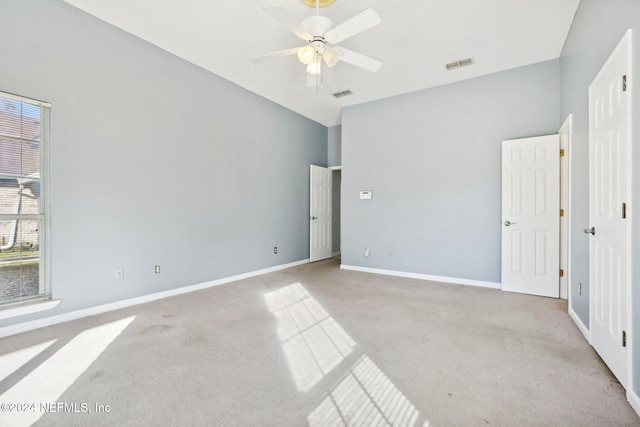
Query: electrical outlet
point(157, 269)
point(119, 273)
point(366, 251)
point(275, 249)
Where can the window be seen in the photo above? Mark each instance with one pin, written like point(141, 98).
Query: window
point(24, 141)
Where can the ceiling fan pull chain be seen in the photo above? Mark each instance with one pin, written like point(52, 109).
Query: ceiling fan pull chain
point(321, 61)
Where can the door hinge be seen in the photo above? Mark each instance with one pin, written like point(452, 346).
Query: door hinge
point(624, 338)
point(561, 152)
point(624, 211)
point(561, 212)
point(561, 273)
point(624, 83)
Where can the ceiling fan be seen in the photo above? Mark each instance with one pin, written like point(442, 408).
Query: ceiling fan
point(319, 32)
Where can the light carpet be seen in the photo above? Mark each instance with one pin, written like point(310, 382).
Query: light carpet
point(316, 345)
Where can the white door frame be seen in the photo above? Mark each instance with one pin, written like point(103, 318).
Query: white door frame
point(565, 132)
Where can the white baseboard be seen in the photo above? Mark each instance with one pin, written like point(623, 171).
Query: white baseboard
point(420, 276)
point(634, 400)
point(73, 315)
point(581, 327)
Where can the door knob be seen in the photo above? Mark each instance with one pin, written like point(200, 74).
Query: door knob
point(591, 231)
point(313, 218)
point(508, 223)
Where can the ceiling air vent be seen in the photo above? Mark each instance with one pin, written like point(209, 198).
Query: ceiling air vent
point(459, 64)
point(342, 93)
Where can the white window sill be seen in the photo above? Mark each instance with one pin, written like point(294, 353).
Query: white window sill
point(34, 307)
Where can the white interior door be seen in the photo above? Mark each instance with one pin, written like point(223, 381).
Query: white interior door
point(320, 213)
point(531, 215)
point(609, 209)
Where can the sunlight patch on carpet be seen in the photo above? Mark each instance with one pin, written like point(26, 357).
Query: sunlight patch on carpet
point(313, 342)
point(47, 382)
point(365, 397)
point(11, 362)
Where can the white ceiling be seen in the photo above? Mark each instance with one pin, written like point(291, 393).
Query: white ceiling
point(415, 41)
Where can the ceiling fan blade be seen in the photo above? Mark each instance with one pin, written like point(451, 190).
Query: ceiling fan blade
point(358, 59)
point(359, 23)
point(278, 54)
point(331, 57)
point(282, 16)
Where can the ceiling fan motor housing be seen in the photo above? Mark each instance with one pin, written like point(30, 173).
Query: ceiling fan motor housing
point(317, 44)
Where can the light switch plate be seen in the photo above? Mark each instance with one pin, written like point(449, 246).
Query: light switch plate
point(366, 195)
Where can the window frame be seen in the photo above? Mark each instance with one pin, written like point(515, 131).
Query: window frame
point(43, 215)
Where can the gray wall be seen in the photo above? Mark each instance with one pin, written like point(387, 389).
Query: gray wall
point(335, 211)
point(154, 160)
point(334, 146)
point(597, 28)
point(432, 160)
point(334, 158)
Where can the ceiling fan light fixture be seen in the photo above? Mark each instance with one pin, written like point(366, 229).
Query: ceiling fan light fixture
point(305, 54)
point(318, 3)
point(315, 66)
point(331, 57)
